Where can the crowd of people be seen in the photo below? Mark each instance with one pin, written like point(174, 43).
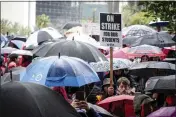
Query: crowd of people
point(123, 84)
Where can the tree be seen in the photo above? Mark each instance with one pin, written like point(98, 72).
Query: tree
point(132, 15)
point(139, 18)
point(15, 28)
point(5, 26)
point(42, 21)
point(165, 10)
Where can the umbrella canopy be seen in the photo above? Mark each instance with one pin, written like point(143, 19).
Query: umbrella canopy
point(42, 35)
point(63, 71)
point(102, 66)
point(83, 38)
point(100, 110)
point(137, 30)
point(162, 84)
point(120, 53)
point(16, 44)
point(7, 50)
point(36, 101)
point(71, 48)
point(170, 60)
point(22, 52)
point(170, 48)
point(71, 25)
point(160, 39)
point(129, 40)
point(4, 40)
point(15, 75)
point(164, 112)
point(121, 105)
point(76, 29)
point(152, 68)
point(151, 51)
point(122, 63)
point(159, 23)
point(20, 38)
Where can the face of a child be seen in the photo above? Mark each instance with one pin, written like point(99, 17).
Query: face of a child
point(123, 88)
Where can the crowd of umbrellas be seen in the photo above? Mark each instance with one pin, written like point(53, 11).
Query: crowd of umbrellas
point(76, 60)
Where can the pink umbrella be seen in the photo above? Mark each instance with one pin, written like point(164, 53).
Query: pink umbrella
point(121, 53)
point(121, 105)
point(151, 51)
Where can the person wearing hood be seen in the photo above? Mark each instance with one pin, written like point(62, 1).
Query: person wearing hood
point(143, 105)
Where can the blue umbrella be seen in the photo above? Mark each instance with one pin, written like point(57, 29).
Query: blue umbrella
point(4, 40)
point(63, 71)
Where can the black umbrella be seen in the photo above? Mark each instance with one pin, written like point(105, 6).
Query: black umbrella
point(153, 68)
point(42, 35)
point(162, 84)
point(71, 25)
point(129, 40)
point(20, 38)
point(174, 38)
point(14, 74)
point(170, 60)
point(160, 39)
point(33, 100)
point(71, 48)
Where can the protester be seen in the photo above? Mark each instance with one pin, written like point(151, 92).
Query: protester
point(145, 58)
point(13, 62)
point(143, 105)
point(123, 86)
point(106, 89)
point(170, 100)
point(26, 60)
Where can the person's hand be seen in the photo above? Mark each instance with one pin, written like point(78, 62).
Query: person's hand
point(84, 105)
point(75, 104)
point(110, 91)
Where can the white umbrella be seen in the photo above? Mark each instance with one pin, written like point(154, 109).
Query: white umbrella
point(83, 38)
point(42, 35)
point(22, 52)
point(7, 50)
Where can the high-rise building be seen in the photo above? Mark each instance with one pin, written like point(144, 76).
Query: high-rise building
point(59, 12)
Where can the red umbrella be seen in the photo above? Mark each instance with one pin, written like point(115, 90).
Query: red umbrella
point(151, 51)
point(121, 53)
point(121, 105)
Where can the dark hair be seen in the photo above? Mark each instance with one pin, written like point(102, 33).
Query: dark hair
point(145, 56)
point(13, 58)
point(123, 80)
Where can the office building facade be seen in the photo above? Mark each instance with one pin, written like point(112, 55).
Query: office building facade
point(59, 12)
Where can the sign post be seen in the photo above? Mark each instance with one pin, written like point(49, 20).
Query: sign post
point(110, 34)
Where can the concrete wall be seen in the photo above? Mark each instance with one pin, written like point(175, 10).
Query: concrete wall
point(20, 12)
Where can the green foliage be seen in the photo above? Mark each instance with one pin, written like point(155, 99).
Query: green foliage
point(42, 21)
point(15, 28)
point(165, 10)
point(5, 26)
point(131, 15)
point(139, 18)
